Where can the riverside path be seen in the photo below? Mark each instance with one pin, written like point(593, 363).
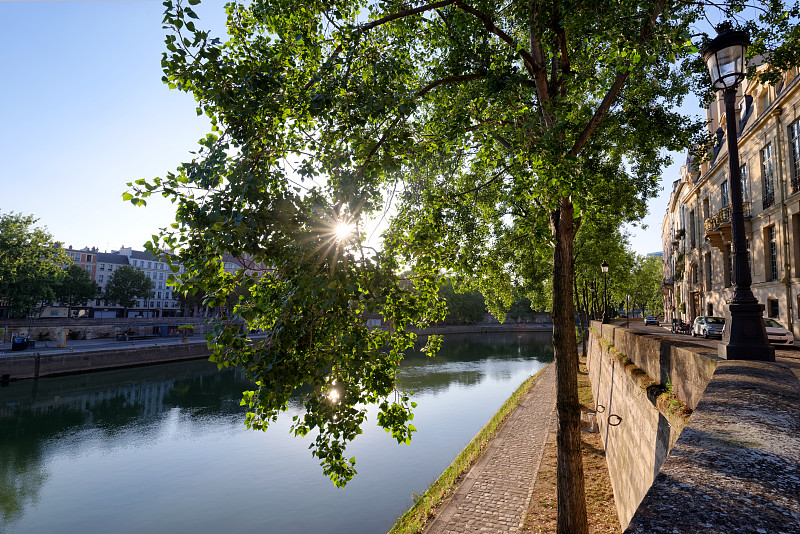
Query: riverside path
point(494, 495)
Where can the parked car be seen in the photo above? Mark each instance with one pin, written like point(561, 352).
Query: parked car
point(777, 334)
point(707, 326)
point(650, 320)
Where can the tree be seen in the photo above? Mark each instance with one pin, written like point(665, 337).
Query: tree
point(495, 129)
point(126, 286)
point(76, 288)
point(468, 306)
point(646, 281)
point(30, 263)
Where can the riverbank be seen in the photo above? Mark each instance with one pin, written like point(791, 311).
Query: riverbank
point(88, 356)
point(483, 328)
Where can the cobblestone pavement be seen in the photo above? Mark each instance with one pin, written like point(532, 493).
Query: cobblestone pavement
point(495, 494)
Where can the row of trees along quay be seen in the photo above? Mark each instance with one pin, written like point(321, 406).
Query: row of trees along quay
point(487, 133)
point(35, 270)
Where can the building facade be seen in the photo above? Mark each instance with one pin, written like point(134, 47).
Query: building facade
point(696, 231)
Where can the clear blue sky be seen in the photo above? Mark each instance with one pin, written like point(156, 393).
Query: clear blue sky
point(84, 112)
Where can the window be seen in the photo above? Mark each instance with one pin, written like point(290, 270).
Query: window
point(767, 176)
point(772, 253)
point(159, 294)
point(695, 279)
point(706, 210)
point(89, 268)
point(149, 264)
point(794, 148)
point(102, 266)
point(724, 193)
point(100, 278)
point(88, 257)
point(708, 272)
point(692, 232)
point(710, 309)
point(774, 310)
point(745, 188)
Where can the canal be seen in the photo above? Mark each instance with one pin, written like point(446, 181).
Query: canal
point(164, 448)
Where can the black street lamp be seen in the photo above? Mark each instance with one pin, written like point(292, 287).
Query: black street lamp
point(604, 268)
point(745, 337)
point(627, 313)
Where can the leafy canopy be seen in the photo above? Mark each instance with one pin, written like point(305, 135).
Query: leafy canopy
point(127, 285)
point(76, 288)
point(490, 129)
point(30, 263)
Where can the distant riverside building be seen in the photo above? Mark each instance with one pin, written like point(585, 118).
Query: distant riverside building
point(696, 231)
point(101, 266)
point(164, 302)
point(658, 254)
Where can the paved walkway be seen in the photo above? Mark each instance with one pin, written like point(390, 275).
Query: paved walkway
point(495, 494)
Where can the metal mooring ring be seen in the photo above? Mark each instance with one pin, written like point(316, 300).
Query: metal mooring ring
point(600, 408)
point(618, 419)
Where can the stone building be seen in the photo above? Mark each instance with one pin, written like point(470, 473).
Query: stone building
point(696, 232)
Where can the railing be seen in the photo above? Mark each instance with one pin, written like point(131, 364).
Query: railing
point(795, 184)
point(769, 200)
point(723, 216)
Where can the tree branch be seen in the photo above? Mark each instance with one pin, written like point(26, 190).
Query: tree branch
point(540, 76)
point(490, 26)
point(381, 21)
point(605, 105)
point(420, 93)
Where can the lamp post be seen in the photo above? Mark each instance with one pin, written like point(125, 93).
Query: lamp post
point(745, 337)
point(604, 268)
point(627, 312)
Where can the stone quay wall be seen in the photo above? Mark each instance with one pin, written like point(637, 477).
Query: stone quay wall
point(734, 466)
point(36, 365)
point(49, 329)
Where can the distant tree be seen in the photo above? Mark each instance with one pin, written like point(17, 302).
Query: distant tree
point(645, 286)
point(468, 306)
point(127, 285)
point(191, 301)
point(30, 263)
point(521, 309)
point(76, 288)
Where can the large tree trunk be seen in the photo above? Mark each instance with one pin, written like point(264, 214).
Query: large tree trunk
point(571, 498)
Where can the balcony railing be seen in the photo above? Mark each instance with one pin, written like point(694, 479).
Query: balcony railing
point(769, 200)
point(723, 216)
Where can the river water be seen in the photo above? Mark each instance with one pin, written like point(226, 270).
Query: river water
point(164, 448)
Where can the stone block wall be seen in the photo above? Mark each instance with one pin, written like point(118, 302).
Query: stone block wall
point(734, 466)
point(54, 364)
point(628, 371)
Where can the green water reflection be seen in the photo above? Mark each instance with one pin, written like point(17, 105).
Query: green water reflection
point(163, 448)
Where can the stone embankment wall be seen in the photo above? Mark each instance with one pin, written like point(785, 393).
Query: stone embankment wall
point(734, 466)
point(34, 365)
point(49, 329)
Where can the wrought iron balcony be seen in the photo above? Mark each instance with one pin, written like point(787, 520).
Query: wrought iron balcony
point(769, 200)
point(724, 216)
